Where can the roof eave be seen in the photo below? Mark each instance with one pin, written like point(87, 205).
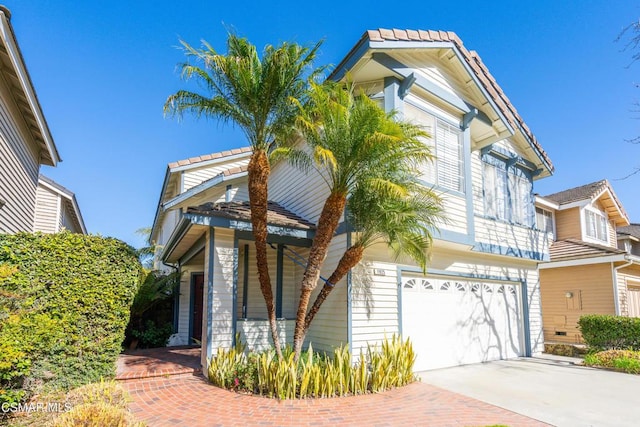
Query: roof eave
point(7, 35)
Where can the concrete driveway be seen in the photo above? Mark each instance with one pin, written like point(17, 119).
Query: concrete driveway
point(548, 388)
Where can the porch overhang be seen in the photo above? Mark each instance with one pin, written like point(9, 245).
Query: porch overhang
point(188, 234)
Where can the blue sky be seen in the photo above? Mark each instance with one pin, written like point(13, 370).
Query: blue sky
point(102, 71)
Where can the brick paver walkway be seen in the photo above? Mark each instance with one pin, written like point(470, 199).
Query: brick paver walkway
point(189, 400)
point(157, 362)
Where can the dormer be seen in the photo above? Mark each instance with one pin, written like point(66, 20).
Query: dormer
point(590, 213)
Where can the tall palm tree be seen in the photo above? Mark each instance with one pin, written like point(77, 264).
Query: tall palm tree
point(355, 146)
point(404, 223)
point(260, 95)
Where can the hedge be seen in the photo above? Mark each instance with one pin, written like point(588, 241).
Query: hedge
point(64, 306)
point(604, 332)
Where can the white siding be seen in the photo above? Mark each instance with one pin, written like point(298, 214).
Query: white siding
point(19, 169)
point(184, 302)
point(455, 210)
point(256, 334)
point(517, 238)
point(193, 177)
point(222, 258)
point(375, 309)
point(47, 216)
point(67, 220)
point(330, 326)
point(300, 192)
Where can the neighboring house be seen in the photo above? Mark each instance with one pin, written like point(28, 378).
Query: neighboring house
point(592, 269)
point(480, 298)
point(56, 209)
point(25, 140)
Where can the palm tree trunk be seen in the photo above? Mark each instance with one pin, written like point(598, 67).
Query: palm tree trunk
point(258, 176)
point(327, 225)
point(349, 259)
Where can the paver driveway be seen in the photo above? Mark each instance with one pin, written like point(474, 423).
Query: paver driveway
point(191, 401)
point(163, 399)
point(551, 389)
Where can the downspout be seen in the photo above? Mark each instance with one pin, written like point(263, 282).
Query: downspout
point(616, 296)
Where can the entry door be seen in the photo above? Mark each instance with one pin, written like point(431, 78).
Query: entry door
point(196, 315)
point(633, 297)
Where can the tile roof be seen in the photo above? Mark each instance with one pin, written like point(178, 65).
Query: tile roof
point(632, 230)
point(475, 63)
point(276, 214)
point(207, 157)
point(574, 249)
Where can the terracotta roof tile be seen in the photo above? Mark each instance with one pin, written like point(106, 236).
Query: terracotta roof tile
point(206, 157)
point(478, 68)
point(575, 249)
point(276, 214)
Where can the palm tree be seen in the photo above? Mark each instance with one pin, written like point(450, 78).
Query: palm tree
point(404, 223)
point(260, 95)
point(357, 147)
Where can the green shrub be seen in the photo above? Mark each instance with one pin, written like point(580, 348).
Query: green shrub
point(152, 336)
point(623, 360)
point(315, 374)
point(604, 332)
point(64, 305)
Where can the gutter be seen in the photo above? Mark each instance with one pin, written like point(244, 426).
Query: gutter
point(179, 232)
point(616, 295)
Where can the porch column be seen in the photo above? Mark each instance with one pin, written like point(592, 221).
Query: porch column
point(220, 272)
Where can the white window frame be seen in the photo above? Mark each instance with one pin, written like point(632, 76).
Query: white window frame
point(601, 224)
point(549, 218)
point(448, 157)
point(505, 208)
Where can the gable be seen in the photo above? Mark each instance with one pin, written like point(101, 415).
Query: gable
point(435, 66)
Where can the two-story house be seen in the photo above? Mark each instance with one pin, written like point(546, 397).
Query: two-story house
point(480, 299)
point(592, 269)
point(25, 140)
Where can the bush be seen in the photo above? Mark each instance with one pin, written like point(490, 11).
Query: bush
point(152, 336)
point(603, 332)
point(64, 305)
point(622, 360)
point(314, 375)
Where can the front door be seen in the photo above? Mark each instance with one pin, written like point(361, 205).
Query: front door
point(196, 315)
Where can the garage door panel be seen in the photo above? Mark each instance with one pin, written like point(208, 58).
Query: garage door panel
point(454, 322)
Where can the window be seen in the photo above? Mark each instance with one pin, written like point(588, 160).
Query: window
point(507, 191)
point(448, 169)
point(596, 225)
point(544, 220)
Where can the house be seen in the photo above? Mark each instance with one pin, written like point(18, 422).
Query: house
point(25, 139)
point(592, 269)
point(56, 209)
point(480, 298)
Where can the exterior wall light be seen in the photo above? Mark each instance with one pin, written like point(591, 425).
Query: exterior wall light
point(569, 294)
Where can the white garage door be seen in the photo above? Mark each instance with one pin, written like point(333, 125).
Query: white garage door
point(456, 322)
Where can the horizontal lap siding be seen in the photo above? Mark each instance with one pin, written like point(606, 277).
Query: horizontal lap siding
point(303, 193)
point(193, 177)
point(375, 304)
point(381, 314)
point(256, 334)
point(184, 303)
point(19, 169)
point(514, 237)
point(455, 210)
point(329, 328)
point(629, 276)
point(47, 218)
point(568, 224)
point(594, 282)
point(223, 274)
